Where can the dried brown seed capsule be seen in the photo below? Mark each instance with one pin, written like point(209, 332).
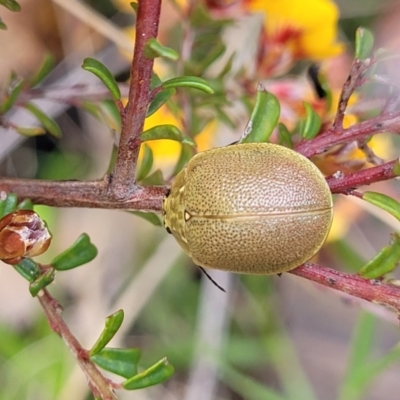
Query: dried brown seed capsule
point(22, 234)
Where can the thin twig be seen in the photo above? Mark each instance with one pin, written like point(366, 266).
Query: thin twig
point(100, 386)
point(389, 123)
point(123, 177)
point(353, 81)
point(92, 194)
point(346, 183)
point(373, 290)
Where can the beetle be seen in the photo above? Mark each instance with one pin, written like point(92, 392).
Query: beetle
point(251, 208)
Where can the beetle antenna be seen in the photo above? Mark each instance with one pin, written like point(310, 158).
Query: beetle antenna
point(211, 279)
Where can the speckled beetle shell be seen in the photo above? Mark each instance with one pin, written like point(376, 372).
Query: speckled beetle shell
point(254, 208)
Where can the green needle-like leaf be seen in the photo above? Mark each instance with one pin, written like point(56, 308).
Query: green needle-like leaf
point(148, 216)
point(12, 5)
point(190, 82)
point(158, 373)
point(159, 100)
point(154, 179)
point(154, 49)
point(263, 119)
point(30, 131)
point(284, 136)
point(81, 252)
point(103, 73)
point(8, 204)
point(44, 70)
point(396, 168)
point(134, 5)
point(363, 44)
point(187, 152)
point(384, 262)
point(167, 131)
point(28, 269)
point(41, 282)
point(12, 97)
point(146, 163)
point(122, 362)
point(48, 123)
point(112, 324)
point(380, 200)
point(25, 204)
point(312, 123)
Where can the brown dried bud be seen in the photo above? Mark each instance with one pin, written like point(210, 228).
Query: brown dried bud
point(22, 234)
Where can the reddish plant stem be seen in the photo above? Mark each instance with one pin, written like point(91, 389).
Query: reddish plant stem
point(372, 290)
point(380, 124)
point(353, 81)
point(123, 181)
point(91, 194)
point(346, 183)
point(100, 385)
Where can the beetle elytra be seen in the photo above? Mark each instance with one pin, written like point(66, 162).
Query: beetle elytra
point(253, 208)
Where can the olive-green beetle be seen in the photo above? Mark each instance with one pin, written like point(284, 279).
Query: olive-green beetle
point(253, 208)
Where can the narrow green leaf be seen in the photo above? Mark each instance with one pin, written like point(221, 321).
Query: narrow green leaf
point(44, 70)
point(155, 81)
point(91, 108)
point(157, 373)
point(346, 255)
point(155, 178)
point(223, 117)
point(213, 54)
point(167, 131)
point(134, 5)
point(312, 123)
point(113, 159)
point(12, 5)
point(380, 200)
point(28, 269)
point(3, 26)
point(112, 115)
point(122, 362)
point(25, 204)
point(30, 131)
point(263, 119)
point(112, 324)
point(396, 167)
point(376, 367)
point(244, 384)
point(14, 91)
point(8, 204)
point(48, 123)
point(352, 387)
point(284, 136)
point(81, 252)
point(227, 68)
point(41, 282)
point(187, 152)
point(148, 216)
point(102, 72)
point(159, 100)
point(146, 163)
point(188, 81)
point(384, 262)
point(363, 43)
point(154, 48)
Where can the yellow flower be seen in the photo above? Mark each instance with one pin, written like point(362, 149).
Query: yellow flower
point(295, 30)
